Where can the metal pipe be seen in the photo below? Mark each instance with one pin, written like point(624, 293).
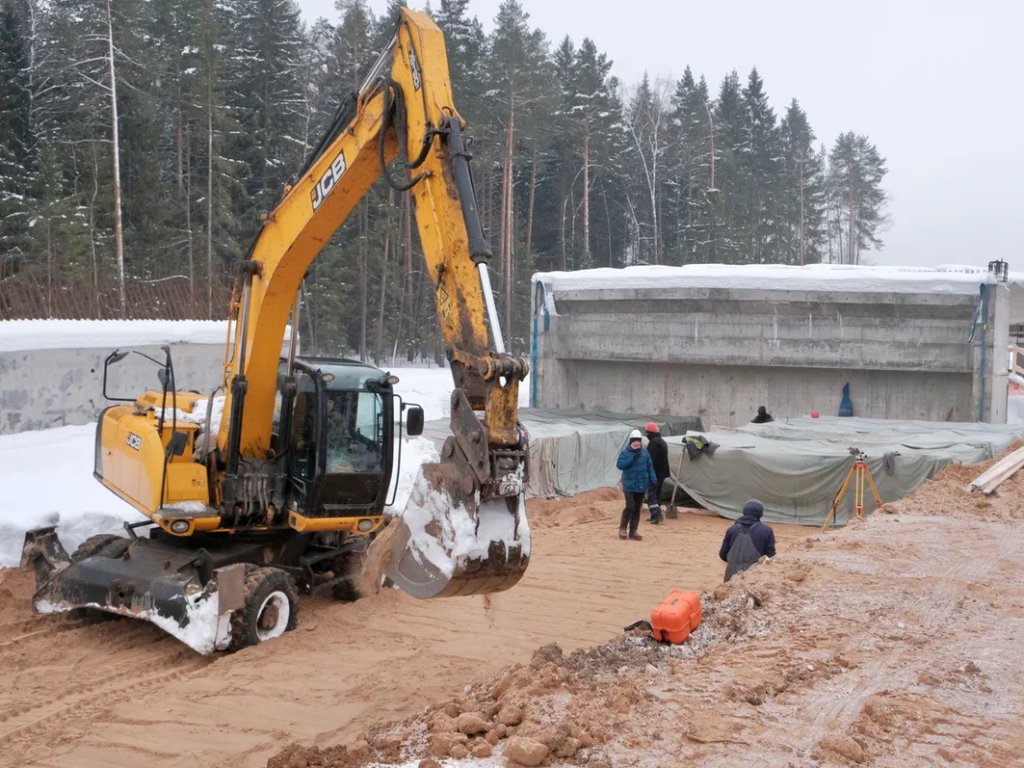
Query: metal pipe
point(246, 291)
point(293, 336)
point(379, 65)
point(492, 310)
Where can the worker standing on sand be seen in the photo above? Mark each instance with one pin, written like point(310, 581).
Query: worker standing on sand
point(747, 540)
point(658, 448)
point(637, 476)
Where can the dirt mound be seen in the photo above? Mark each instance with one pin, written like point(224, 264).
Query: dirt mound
point(585, 508)
point(839, 652)
point(947, 493)
point(375, 561)
point(16, 588)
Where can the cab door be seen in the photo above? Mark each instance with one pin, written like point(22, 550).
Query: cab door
point(303, 443)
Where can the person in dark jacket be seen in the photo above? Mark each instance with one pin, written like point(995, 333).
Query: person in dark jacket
point(763, 417)
point(658, 448)
point(747, 540)
point(637, 476)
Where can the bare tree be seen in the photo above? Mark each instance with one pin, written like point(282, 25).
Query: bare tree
point(118, 238)
point(645, 115)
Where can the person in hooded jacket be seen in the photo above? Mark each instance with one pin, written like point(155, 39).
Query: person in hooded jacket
point(637, 476)
point(763, 417)
point(658, 448)
point(747, 541)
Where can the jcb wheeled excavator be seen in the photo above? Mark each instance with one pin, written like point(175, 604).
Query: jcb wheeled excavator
point(287, 494)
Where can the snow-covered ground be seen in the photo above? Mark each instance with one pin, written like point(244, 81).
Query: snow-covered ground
point(46, 476)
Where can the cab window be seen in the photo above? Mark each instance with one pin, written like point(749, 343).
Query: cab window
point(353, 433)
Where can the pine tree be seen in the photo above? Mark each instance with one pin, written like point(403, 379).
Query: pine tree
point(856, 170)
point(267, 97)
point(516, 70)
point(759, 152)
point(691, 138)
point(801, 192)
point(18, 166)
point(727, 201)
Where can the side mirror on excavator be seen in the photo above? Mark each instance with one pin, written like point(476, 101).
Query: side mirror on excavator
point(414, 421)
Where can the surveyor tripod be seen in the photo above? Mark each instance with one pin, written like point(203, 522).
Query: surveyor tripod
point(861, 476)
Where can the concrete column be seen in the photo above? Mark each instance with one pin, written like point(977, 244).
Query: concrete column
point(991, 377)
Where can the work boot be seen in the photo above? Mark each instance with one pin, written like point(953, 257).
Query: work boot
point(623, 522)
point(622, 532)
point(636, 537)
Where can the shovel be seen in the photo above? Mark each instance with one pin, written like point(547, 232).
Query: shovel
point(673, 511)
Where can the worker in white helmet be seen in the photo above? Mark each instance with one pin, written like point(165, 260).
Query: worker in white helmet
point(637, 476)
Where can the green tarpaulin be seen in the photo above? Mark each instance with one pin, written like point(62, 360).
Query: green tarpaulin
point(796, 467)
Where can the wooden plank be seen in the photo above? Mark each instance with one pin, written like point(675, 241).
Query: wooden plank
point(993, 477)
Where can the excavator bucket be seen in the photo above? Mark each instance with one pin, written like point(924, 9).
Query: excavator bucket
point(450, 542)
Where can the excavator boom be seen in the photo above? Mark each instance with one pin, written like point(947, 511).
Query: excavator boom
point(404, 110)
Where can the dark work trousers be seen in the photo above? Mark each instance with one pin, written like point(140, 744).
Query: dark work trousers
point(654, 499)
point(631, 514)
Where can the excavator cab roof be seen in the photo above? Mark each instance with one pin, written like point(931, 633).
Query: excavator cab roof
point(347, 374)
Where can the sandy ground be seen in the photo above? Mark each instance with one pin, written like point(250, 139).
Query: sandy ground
point(120, 693)
point(893, 642)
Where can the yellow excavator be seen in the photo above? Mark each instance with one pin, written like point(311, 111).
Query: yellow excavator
point(283, 489)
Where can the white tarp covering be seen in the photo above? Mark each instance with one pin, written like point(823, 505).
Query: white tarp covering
point(796, 467)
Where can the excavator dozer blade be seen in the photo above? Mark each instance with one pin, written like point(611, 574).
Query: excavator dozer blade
point(450, 543)
point(146, 581)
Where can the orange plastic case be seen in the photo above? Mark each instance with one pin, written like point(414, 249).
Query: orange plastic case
point(677, 616)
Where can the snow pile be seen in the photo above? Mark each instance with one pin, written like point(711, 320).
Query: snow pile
point(416, 451)
point(17, 335)
point(952, 279)
point(47, 475)
point(47, 479)
point(198, 414)
point(460, 537)
point(432, 388)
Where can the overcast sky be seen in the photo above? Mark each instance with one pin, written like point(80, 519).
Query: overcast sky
point(937, 86)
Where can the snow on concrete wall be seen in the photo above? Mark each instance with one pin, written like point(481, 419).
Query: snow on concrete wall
point(51, 371)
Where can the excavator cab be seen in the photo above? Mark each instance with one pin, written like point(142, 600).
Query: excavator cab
point(338, 424)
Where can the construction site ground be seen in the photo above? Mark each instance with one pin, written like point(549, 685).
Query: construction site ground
point(897, 641)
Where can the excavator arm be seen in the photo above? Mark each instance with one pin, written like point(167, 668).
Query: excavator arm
point(465, 529)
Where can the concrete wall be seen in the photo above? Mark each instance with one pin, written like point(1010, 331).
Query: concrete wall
point(54, 387)
point(718, 353)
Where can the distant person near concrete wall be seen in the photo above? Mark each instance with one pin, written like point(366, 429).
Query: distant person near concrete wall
point(763, 417)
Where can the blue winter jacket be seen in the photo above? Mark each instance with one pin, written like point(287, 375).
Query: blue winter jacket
point(637, 470)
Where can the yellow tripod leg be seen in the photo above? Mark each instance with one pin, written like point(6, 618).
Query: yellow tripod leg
point(874, 490)
point(839, 498)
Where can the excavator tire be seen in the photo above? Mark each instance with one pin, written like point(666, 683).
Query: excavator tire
point(96, 545)
point(271, 608)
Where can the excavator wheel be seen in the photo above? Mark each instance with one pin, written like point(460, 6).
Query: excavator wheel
point(271, 608)
point(105, 544)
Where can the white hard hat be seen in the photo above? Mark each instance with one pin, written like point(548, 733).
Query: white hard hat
point(635, 435)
